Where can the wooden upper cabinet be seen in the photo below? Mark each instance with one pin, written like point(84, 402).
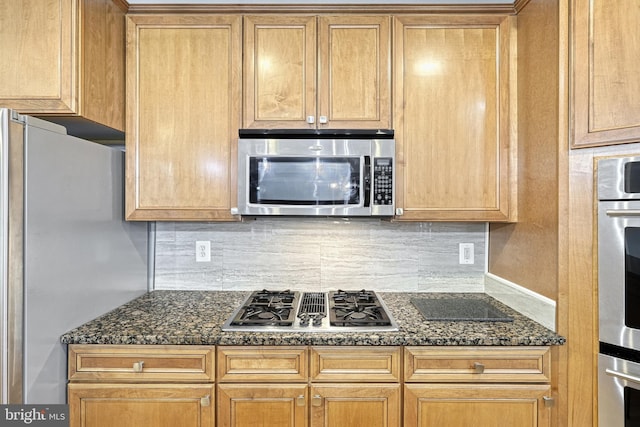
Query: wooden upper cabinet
point(280, 71)
point(64, 58)
point(454, 141)
point(183, 115)
point(606, 60)
point(317, 72)
point(354, 76)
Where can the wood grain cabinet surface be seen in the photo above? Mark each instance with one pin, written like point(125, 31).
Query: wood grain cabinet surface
point(316, 386)
point(606, 59)
point(477, 386)
point(183, 114)
point(344, 386)
point(64, 58)
point(317, 71)
point(131, 385)
point(455, 147)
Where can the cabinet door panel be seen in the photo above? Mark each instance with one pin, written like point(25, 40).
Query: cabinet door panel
point(436, 405)
point(280, 70)
point(452, 92)
point(607, 88)
point(256, 405)
point(183, 113)
point(354, 75)
point(38, 62)
point(166, 405)
point(355, 405)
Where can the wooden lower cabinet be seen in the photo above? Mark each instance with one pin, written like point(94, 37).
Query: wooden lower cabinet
point(473, 405)
point(289, 405)
point(135, 405)
point(477, 386)
point(273, 405)
point(308, 386)
point(355, 405)
point(315, 386)
point(141, 385)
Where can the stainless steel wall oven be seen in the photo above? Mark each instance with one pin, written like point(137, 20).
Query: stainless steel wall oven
point(619, 291)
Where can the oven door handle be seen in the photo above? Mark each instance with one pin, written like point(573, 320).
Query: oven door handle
point(623, 212)
point(623, 376)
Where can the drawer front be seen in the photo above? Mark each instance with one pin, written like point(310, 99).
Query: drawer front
point(355, 364)
point(141, 363)
point(477, 364)
point(262, 364)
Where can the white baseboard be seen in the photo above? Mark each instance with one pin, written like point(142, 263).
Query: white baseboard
point(533, 305)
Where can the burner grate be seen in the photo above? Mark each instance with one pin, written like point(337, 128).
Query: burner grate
point(267, 308)
point(356, 308)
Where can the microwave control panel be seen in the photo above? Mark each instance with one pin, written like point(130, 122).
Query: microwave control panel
point(383, 181)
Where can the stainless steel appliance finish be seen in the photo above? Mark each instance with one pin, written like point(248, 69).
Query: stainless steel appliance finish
point(335, 311)
point(619, 291)
point(619, 251)
point(316, 173)
point(618, 391)
point(67, 255)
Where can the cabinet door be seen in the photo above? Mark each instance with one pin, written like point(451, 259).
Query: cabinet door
point(280, 71)
point(355, 405)
point(275, 405)
point(468, 405)
point(183, 95)
point(63, 57)
point(606, 50)
point(134, 405)
point(455, 151)
point(354, 77)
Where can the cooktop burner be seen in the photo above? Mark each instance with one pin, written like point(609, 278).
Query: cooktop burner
point(269, 308)
point(356, 308)
point(267, 311)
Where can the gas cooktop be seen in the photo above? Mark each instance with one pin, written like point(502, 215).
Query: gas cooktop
point(273, 311)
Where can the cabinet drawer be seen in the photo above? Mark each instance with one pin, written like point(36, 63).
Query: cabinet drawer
point(366, 364)
point(477, 364)
point(141, 363)
point(262, 364)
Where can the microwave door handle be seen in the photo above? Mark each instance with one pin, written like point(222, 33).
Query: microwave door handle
point(623, 212)
point(367, 181)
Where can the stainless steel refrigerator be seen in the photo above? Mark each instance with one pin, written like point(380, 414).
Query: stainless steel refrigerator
point(66, 253)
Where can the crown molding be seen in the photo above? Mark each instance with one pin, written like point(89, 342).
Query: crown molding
point(518, 5)
point(395, 8)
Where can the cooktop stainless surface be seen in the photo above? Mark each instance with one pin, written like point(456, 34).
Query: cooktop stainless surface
point(334, 311)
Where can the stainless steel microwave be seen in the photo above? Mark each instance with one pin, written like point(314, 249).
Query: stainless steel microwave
point(316, 172)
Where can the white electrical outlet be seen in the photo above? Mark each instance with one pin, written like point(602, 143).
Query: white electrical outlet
point(203, 251)
point(466, 253)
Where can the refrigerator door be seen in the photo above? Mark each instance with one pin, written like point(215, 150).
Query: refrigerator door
point(81, 259)
point(11, 251)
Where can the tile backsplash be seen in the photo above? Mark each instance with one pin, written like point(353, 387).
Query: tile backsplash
point(320, 254)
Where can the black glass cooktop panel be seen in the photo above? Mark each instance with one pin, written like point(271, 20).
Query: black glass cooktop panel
point(459, 309)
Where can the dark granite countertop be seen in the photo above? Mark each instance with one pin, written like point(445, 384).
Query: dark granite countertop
point(195, 317)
